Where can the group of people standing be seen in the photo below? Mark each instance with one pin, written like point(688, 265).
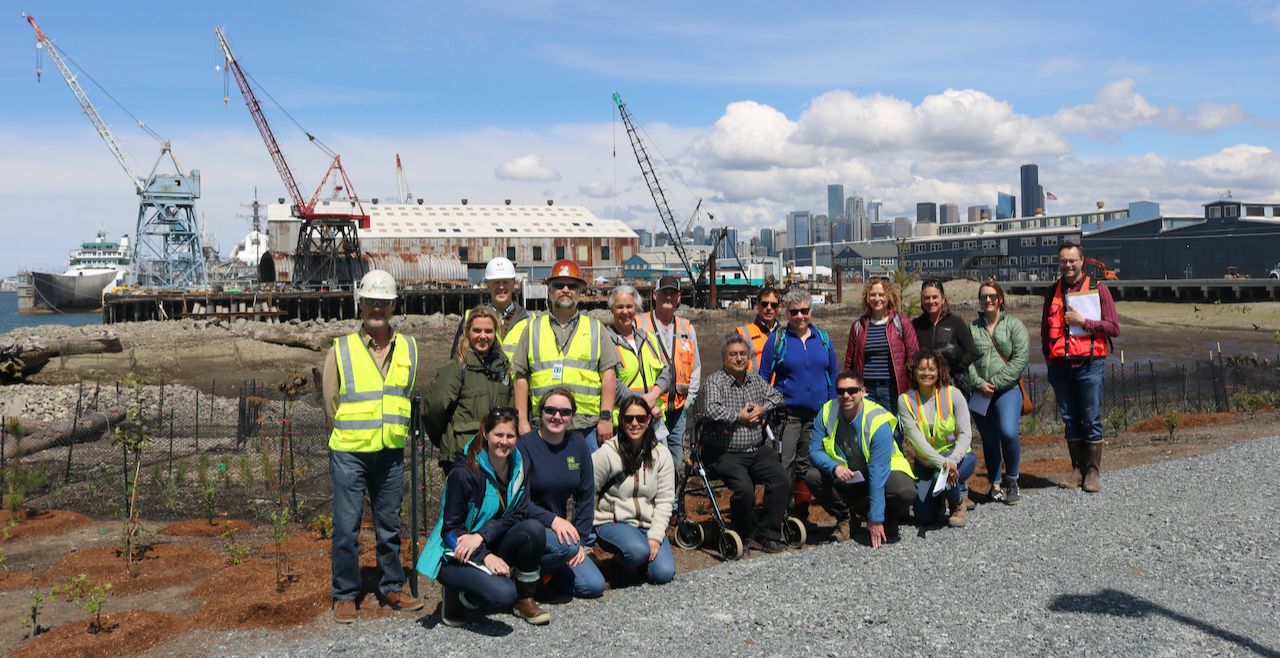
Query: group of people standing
point(558, 432)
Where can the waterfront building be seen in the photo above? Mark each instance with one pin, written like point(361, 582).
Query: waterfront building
point(866, 259)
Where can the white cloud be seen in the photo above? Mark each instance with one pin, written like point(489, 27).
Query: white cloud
point(597, 190)
point(1120, 107)
point(527, 168)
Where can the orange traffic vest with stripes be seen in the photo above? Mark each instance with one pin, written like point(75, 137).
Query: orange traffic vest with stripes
point(681, 355)
point(756, 336)
point(1061, 343)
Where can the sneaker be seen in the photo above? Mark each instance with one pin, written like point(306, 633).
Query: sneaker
point(401, 601)
point(997, 494)
point(1011, 496)
point(344, 611)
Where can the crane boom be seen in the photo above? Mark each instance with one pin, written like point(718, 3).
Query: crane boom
point(85, 104)
point(402, 185)
point(655, 187)
point(264, 128)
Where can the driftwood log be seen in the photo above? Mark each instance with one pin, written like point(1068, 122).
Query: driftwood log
point(92, 426)
point(291, 336)
point(22, 358)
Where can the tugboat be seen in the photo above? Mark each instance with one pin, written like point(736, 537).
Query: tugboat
point(95, 268)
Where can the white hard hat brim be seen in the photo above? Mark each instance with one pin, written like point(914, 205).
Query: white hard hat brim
point(376, 295)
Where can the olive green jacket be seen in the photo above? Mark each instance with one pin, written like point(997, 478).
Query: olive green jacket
point(1010, 336)
point(461, 395)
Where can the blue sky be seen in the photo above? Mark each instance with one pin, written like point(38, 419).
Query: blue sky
point(757, 105)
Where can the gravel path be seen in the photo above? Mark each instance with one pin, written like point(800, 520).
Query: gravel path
point(1173, 558)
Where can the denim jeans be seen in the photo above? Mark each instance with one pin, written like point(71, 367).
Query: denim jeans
point(884, 392)
point(381, 473)
point(589, 435)
point(521, 547)
point(675, 421)
point(584, 581)
point(929, 507)
point(1000, 441)
point(1079, 394)
point(631, 544)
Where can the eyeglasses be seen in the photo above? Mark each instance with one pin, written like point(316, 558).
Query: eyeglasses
point(851, 390)
point(642, 419)
point(563, 412)
point(799, 311)
point(770, 305)
point(986, 297)
point(566, 285)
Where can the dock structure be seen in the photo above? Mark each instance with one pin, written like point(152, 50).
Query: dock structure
point(1170, 290)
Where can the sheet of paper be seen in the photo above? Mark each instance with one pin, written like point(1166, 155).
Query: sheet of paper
point(449, 554)
point(857, 477)
point(1086, 304)
point(773, 441)
point(940, 484)
point(660, 431)
point(978, 403)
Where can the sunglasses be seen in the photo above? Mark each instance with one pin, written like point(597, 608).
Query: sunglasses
point(563, 412)
point(770, 305)
point(377, 303)
point(642, 419)
point(851, 390)
point(566, 285)
point(503, 412)
point(986, 297)
point(799, 311)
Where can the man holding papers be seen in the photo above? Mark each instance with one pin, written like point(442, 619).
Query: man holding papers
point(857, 465)
point(1076, 328)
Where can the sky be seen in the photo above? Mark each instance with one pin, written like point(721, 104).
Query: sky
point(752, 107)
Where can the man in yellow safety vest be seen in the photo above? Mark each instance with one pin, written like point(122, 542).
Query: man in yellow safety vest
point(368, 388)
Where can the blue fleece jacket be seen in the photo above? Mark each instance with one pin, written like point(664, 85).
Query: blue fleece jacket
point(877, 472)
point(553, 474)
point(806, 375)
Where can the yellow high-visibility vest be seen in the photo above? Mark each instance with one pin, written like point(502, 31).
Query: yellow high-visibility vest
point(577, 368)
point(373, 411)
point(873, 417)
point(640, 369)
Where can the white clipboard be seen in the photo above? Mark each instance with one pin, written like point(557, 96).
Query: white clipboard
point(1087, 304)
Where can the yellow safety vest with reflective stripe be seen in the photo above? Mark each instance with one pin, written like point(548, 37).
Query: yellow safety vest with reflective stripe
point(576, 369)
point(942, 433)
point(511, 339)
point(373, 411)
point(873, 417)
point(640, 367)
point(680, 357)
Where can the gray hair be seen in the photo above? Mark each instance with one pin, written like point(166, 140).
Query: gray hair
point(796, 297)
point(734, 338)
point(625, 289)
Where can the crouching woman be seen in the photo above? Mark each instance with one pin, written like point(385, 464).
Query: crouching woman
point(635, 491)
point(485, 549)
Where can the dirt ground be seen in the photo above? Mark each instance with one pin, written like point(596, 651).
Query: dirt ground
point(186, 589)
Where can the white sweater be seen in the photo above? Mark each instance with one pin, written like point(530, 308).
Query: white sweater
point(644, 499)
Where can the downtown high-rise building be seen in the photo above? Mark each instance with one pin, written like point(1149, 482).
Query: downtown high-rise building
point(902, 227)
point(855, 210)
point(799, 228)
point(699, 235)
point(767, 241)
point(948, 213)
point(1032, 192)
point(835, 202)
point(1006, 206)
point(728, 246)
point(979, 213)
point(821, 229)
point(873, 213)
point(927, 211)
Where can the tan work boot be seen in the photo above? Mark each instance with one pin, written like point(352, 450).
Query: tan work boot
point(344, 611)
point(842, 532)
point(957, 518)
point(526, 606)
point(1092, 476)
point(402, 601)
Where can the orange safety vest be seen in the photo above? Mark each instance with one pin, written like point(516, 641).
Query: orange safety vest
point(1061, 343)
point(756, 336)
point(681, 355)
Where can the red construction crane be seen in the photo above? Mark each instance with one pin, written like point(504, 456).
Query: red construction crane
point(328, 252)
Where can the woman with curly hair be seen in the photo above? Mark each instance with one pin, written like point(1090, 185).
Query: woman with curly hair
point(880, 342)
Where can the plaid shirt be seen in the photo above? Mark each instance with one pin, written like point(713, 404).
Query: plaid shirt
point(725, 397)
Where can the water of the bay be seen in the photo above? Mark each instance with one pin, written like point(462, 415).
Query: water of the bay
point(10, 320)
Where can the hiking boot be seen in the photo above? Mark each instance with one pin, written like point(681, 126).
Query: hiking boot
point(842, 532)
point(401, 601)
point(968, 503)
point(957, 518)
point(997, 494)
point(344, 611)
point(1011, 494)
point(526, 606)
point(452, 612)
point(1093, 462)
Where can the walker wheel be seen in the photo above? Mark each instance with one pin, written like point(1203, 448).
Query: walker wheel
point(730, 545)
point(793, 532)
point(689, 534)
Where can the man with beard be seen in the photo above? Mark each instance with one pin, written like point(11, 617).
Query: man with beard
point(567, 349)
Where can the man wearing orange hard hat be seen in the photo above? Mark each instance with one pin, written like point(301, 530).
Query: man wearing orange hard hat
point(567, 349)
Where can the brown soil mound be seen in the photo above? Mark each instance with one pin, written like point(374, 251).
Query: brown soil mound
point(309, 544)
point(1042, 440)
point(131, 632)
point(201, 527)
point(11, 580)
point(245, 596)
point(43, 522)
point(1185, 421)
point(165, 565)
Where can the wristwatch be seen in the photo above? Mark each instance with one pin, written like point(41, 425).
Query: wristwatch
point(606, 414)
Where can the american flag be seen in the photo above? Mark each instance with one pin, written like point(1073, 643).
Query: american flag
point(1050, 196)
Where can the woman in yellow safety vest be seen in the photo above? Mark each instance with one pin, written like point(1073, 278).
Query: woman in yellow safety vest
point(642, 372)
point(934, 416)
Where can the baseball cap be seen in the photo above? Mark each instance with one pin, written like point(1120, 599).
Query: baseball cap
point(668, 282)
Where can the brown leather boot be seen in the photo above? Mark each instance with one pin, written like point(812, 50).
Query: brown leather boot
point(843, 531)
point(526, 606)
point(1092, 476)
point(957, 518)
point(1079, 460)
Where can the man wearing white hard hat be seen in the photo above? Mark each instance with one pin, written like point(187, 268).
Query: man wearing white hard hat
point(368, 392)
point(500, 280)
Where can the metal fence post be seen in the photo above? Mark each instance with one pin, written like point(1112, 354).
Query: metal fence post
point(197, 429)
point(75, 426)
point(1124, 396)
point(170, 444)
point(1151, 371)
point(415, 438)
